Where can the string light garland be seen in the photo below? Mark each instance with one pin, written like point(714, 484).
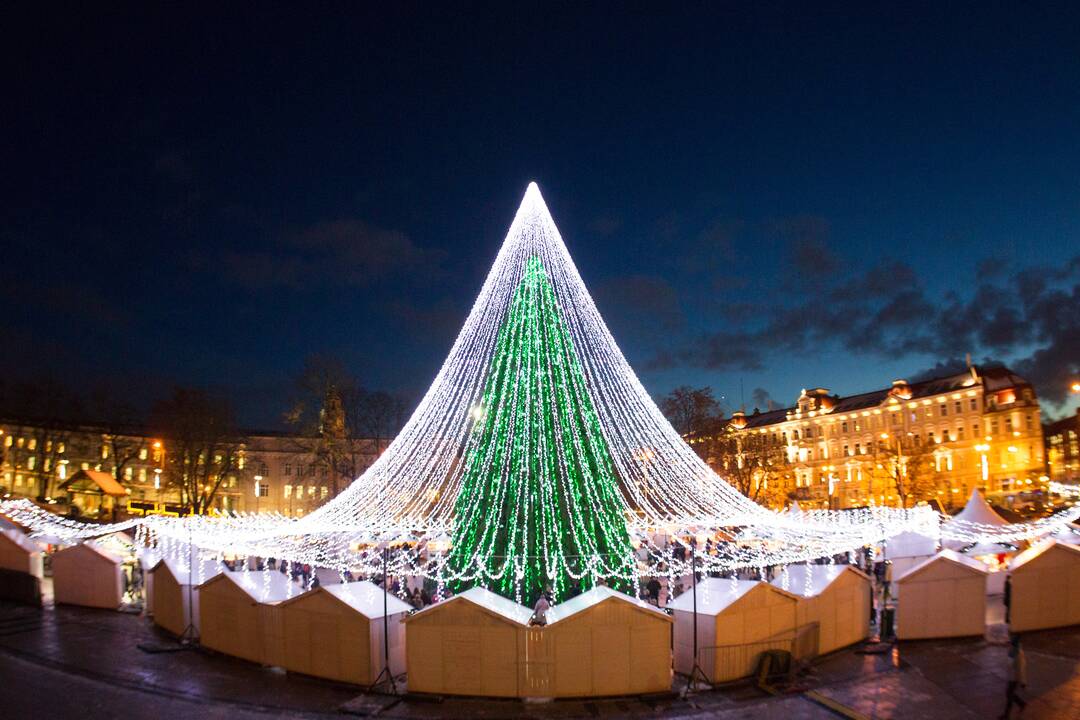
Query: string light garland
point(536, 458)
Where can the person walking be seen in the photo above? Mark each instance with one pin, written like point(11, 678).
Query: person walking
point(1017, 678)
point(1008, 598)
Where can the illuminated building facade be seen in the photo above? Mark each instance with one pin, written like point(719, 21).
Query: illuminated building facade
point(275, 472)
point(1063, 449)
point(935, 439)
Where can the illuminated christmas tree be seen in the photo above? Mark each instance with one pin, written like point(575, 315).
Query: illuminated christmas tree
point(539, 497)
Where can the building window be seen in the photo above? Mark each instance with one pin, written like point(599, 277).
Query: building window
point(943, 410)
point(288, 491)
point(843, 426)
point(311, 491)
point(288, 469)
point(974, 403)
point(31, 462)
point(325, 492)
point(142, 453)
point(264, 489)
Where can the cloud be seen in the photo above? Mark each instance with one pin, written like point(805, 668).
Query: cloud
point(763, 400)
point(338, 253)
point(1031, 316)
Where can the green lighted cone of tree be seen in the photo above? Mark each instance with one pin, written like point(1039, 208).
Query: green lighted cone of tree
point(539, 490)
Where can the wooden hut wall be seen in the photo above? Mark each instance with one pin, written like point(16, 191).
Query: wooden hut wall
point(1046, 590)
point(460, 648)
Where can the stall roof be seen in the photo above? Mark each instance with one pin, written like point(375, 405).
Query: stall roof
point(909, 544)
point(262, 586)
point(948, 556)
point(179, 570)
point(366, 598)
point(489, 601)
point(714, 595)
point(821, 577)
point(105, 482)
point(1039, 549)
point(593, 597)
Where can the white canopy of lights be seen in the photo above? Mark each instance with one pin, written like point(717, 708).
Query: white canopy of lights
point(407, 499)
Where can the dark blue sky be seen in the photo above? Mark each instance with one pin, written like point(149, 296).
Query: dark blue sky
point(769, 196)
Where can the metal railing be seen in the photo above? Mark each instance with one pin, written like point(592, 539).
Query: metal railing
point(728, 663)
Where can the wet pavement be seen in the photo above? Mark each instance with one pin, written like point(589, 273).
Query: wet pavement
point(72, 662)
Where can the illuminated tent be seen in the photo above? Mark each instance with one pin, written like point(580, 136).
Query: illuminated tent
point(169, 589)
point(336, 632)
point(599, 643)
point(736, 622)
point(238, 614)
point(836, 597)
point(944, 596)
point(470, 644)
point(88, 575)
point(1045, 587)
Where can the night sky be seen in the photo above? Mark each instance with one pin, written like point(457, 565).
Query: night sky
point(761, 198)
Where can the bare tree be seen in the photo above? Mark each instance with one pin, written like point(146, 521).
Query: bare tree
point(342, 425)
point(201, 444)
point(906, 464)
point(691, 410)
point(752, 462)
point(121, 435)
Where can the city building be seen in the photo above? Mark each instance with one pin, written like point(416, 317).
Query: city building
point(272, 472)
point(936, 439)
point(1063, 449)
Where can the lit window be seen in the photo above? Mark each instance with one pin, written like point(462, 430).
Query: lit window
point(32, 445)
point(325, 492)
point(288, 491)
point(311, 491)
point(142, 453)
point(31, 462)
point(142, 475)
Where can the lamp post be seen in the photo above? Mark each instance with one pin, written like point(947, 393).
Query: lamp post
point(982, 449)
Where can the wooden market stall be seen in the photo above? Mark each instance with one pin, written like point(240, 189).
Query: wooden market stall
point(736, 622)
point(836, 597)
point(171, 593)
point(336, 632)
point(88, 575)
point(599, 643)
point(18, 553)
point(944, 596)
point(467, 645)
point(907, 549)
point(239, 614)
point(95, 493)
point(20, 568)
point(1045, 581)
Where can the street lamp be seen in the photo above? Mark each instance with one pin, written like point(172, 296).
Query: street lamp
point(258, 491)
